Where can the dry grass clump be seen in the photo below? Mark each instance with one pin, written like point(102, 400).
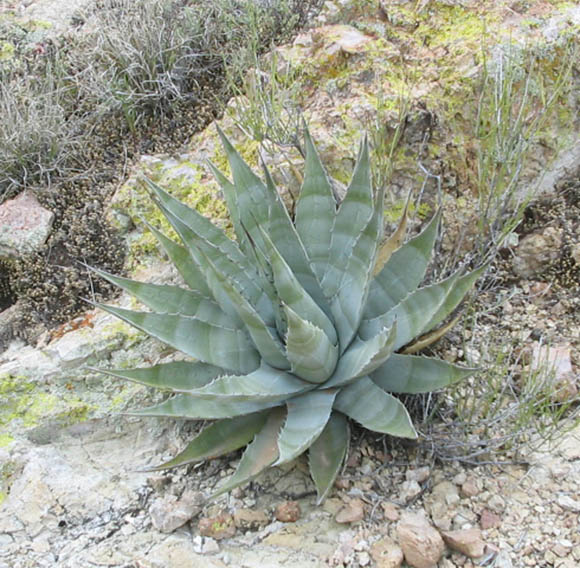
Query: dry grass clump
point(133, 76)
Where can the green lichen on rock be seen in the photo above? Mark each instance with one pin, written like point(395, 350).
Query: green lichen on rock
point(24, 405)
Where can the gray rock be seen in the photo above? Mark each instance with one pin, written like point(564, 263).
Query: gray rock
point(536, 251)
point(24, 225)
point(568, 503)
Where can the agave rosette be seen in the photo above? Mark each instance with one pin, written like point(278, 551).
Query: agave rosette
point(295, 327)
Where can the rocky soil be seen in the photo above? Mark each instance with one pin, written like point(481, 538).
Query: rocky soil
point(74, 485)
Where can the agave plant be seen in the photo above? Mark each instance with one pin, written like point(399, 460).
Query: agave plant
point(296, 326)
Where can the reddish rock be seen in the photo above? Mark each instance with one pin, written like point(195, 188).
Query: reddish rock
point(352, 512)
point(422, 545)
point(24, 225)
point(391, 511)
point(466, 541)
point(219, 527)
point(169, 513)
point(469, 488)
point(288, 512)
point(489, 520)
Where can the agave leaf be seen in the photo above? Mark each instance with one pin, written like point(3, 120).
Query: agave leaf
point(190, 271)
point(348, 304)
point(311, 354)
point(455, 296)
point(315, 210)
point(197, 223)
point(430, 338)
point(186, 406)
point(218, 439)
point(394, 242)
point(253, 199)
point(230, 195)
point(414, 313)
point(236, 269)
point(173, 299)
point(327, 454)
point(220, 346)
point(177, 375)
point(283, 234)
point(363, 357)
point(259, 455)
point(412, 374)
point(291, 292)
point(264, 383)
point(307, 417)
point(352, 219)
point(375, 409)
point(403, 272)
point(264, 337)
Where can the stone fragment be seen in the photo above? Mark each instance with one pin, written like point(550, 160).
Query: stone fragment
point(352, 512)
point(24, 225)
point(536, 251)
point(557, 362)
point(210, 546)
point(446, 492)
point(409, 490)
point(288, 512)
point(218, 527)
point(340, 38)
point(419, 475)
point(466, 541)
point(489, 520)
point(386, 553)
point(169, 512)
point(422, 545)
point(569, 504)
point(496, 503)
point(469, 488)
point(250, 519)
point(391, 511)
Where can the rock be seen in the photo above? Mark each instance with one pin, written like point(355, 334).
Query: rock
point(210, 546)
point(496, 503)
point(568, 503)
point(535, 251)
point(446, 492)
point(288, 512)
point(575, 252)
point(250, 520)
point(174, 551)
point(556, 362)
point(352, 512)
point(489, 520)
point(391, 511)
point(419, 475)
point(169, 512)
point(218, 527)
point(470, 488)
point(386, 553)
point(340, 38)
point(422, 545)
point(466, 541)
point(24, 225)
point(409, 490)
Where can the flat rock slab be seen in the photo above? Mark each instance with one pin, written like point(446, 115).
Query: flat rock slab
point(24, 225)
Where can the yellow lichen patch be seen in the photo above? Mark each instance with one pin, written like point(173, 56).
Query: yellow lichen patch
point(25, 406)
point(185, 180)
